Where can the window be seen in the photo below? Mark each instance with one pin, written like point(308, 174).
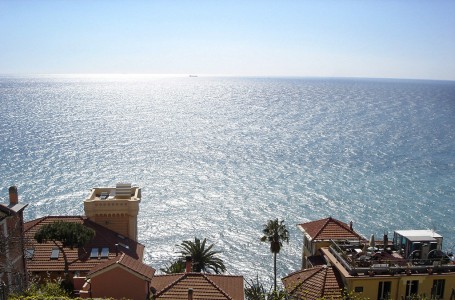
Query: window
point(105, 252)
point(94, 253)
point(384, 290)
point(358, 289)
point(437, 291)
point(29, 253)
point(412, 288)
point(306, 242)
point(55, 253)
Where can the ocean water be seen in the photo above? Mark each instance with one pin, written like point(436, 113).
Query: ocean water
point(218, 157)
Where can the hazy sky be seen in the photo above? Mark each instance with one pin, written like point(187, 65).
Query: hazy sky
point(386, 38)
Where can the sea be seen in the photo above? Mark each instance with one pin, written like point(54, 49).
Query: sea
point(217, 157)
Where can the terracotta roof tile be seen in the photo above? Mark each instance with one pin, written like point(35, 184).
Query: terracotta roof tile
point(79, 258)
point(329, 228)
point(233, 285)
point(314, 283)
point(205, 286)
point(123, 260)
point(32, 223)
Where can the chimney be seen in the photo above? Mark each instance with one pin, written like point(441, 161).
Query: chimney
point(116, 249)
point(190, 294)
point(350, 225)
point(386, 241)
point(13, 197)
point(188, 265)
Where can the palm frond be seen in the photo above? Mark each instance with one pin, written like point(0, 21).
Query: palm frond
point(204, 259)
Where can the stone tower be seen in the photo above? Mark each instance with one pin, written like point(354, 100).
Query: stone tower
point(115, 208)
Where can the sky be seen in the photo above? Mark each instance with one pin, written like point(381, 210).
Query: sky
point(318, 38)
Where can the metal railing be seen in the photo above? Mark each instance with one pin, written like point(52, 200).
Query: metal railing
point(383, 266)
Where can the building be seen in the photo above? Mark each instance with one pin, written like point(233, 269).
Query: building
point(115, 208)
point(197, 286)
point(44, 259)
point(107, 280)
point(111, 264)
point(380, 273)
point(99, 267)
point(320, 233)
point(413, 264)
point(12, 262)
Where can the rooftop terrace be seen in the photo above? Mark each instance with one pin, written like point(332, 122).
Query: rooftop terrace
point(407, 256)
point(120, 192)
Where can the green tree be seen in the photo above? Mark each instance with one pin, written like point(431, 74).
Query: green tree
point(65, 235)
point(204, 258)
point(275, 233)
point(255, 290)
point(50, 289)
point(277, 295)
point(177, 266)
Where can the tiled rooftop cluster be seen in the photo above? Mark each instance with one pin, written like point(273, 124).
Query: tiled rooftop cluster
point(334, 253)
point(40, 260)
point(111, 254)
point(408, 265)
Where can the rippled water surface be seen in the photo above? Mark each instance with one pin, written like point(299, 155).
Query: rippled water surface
point(218, 157)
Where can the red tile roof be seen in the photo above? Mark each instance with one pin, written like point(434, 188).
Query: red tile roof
point(329, 228)
point(205, 286)
point(125, 261)
point(79, 258)
point(315, 283)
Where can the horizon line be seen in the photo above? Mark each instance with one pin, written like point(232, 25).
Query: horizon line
point(173, 75)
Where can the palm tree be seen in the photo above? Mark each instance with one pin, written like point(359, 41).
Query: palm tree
point(255, 290)
point(177, 266)
point(203, 258)
point(275, 233)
